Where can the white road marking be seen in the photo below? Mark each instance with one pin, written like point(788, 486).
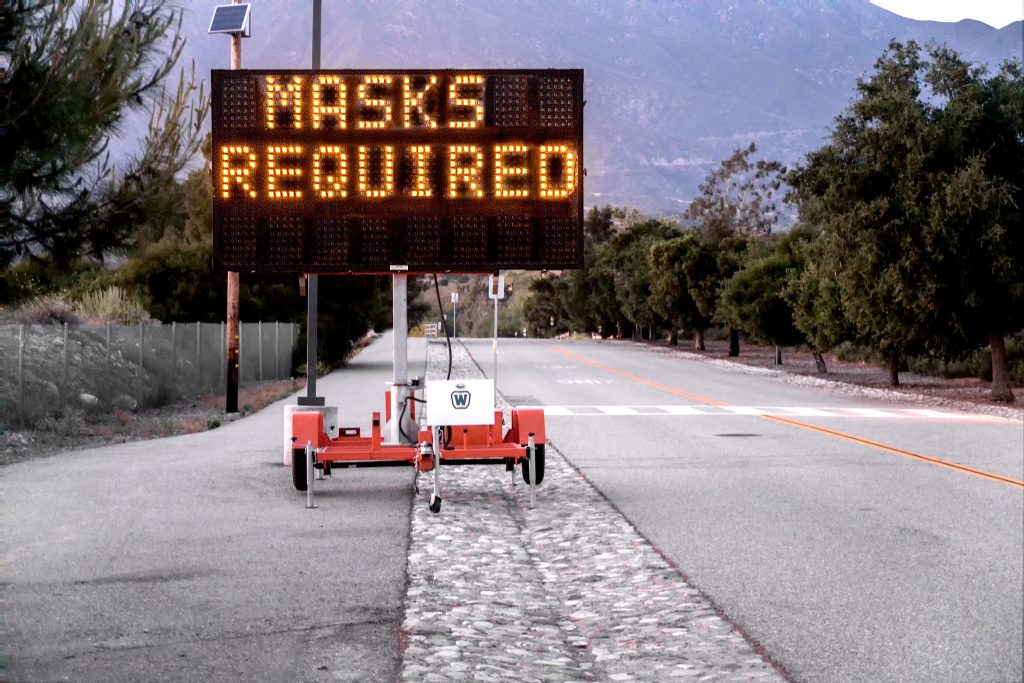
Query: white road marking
point(585, 381)
point(797, 411)
point(780, 411)
point(869, 412)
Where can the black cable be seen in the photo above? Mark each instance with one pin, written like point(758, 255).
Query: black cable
point(440, 307)
point(405, 406)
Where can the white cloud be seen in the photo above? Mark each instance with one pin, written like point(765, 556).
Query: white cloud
point(996, 13)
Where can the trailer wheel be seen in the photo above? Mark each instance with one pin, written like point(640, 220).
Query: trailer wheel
point(539, 465)
point(299, 468)
point(435, 504)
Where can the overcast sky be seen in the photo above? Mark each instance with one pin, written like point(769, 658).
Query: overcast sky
point(996, 13)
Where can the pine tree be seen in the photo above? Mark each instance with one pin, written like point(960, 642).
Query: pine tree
point(77, 71)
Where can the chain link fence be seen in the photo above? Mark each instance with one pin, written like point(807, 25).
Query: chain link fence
point(44, 369)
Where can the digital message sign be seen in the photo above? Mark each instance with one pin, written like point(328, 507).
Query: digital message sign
point(345, 171)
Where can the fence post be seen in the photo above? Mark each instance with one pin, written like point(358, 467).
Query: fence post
point(142, 346)
point(65, 381)
point(241, 352)
point(107, 363)
point(21, 372)
point(277, 350)
point(259, 333)
point(199, 357)
point(223, 359)
point(291, 346)
point(174, 358)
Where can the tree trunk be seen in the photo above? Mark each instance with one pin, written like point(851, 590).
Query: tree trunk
point(778, 355)
point(673, 337)
point(894, 370)
point(734, 342)
point(1001, 389)
point(819, 362)
point(698, 340)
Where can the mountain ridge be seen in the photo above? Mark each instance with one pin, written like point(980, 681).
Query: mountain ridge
point(672, 87)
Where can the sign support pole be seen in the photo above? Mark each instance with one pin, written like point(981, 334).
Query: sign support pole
point(495, 377)
point(400, 351)
point(231, 390)
point(312, 279)
point(496, 291)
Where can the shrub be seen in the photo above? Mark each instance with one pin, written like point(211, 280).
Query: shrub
point(47, 309)
point(112, 305)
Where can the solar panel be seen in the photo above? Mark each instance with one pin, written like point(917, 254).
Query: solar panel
point(230, 19)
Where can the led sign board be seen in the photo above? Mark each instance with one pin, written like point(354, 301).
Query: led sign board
point(421, 170)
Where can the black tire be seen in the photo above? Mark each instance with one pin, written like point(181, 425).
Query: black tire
point(539, 465)
point(435, 505)
point(299, 468)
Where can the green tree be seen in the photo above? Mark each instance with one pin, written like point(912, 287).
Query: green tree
point(742, 196)
point(77, 70)
point(753, 298)
point(591, 302)
point(739, 202)
point(813, 294)
point(544, 310)
point(626, 261)
point(673, 262)
point(976, 222)
point(919, 191)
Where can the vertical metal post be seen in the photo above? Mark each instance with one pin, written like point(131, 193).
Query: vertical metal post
point(399, 351)
point(142, 347)
point(495, 344)
point(199, 354)
point(532, 450)
point(65, 380)
point(174, 357)
point(107, 359)
point(259, 332)
point(232, 346)
point(309, 476)
point(239, 353)
point(223, 347)
point(317, 18)
point(277, 350)
point(455, 312)
point(312, 279)
point(21, 370)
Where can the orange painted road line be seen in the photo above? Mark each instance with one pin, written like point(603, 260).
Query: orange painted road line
point(955, 466)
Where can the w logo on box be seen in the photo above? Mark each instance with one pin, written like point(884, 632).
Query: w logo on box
point(460, 400)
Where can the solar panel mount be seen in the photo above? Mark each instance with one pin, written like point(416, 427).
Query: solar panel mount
point(232, 18)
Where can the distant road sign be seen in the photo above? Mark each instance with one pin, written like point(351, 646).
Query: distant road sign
point(398, 170)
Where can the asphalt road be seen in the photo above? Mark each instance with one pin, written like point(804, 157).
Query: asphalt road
point(193, 558)
point(846, 561)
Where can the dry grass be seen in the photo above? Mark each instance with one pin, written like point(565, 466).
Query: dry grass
point(76, 430)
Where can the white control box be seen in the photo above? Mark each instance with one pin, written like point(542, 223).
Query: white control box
point(459, 402)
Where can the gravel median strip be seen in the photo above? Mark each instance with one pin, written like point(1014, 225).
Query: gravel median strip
point(567, 591)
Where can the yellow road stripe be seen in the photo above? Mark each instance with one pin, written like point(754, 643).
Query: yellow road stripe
point(991, 476)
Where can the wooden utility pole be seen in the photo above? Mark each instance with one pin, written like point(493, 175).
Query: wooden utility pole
point(231, 393)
